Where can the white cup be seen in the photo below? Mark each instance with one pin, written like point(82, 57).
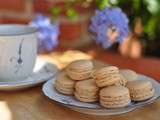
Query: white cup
point(18, 51)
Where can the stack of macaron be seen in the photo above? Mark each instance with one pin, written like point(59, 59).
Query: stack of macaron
point(110, 86)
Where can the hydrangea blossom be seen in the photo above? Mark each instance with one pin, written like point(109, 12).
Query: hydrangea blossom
point(47, 33)
point(108, 26)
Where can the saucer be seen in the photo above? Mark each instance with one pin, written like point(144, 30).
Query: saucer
point(94, 108)
point(42, 72)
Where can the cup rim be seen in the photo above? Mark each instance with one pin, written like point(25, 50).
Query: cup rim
point(10, 29)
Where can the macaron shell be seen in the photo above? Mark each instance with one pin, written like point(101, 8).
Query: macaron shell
point(117, 98)
point(87, 85)
point(87, 93)
point(129, 75)
point(66, 82)
point(79, 65)
point(85, 69)
point(139, 85)
point(57, 83)
point(63, 90)
point(79, 75)
point(64, 79)
point(104, 71)
point(111, 79)
point(114, 91)
point(104, 82)
point(143, 96)
point(115, 104)
point(85, 98)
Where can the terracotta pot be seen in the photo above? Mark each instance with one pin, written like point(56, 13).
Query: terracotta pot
point(131, 47)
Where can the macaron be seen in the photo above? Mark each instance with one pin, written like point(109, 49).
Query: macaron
point(80, 69)
point(129, 75)
point(104, 71)
point(114, 97)
point(122, 80)
point(140, 90)
point(86, 91)
point(106, 76)
point(64, 85)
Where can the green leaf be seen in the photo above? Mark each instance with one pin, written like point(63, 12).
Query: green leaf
point(136, 4)
point(55, 11)
point(71, 13)
point(150, 27)
point(153, 6)
point(101, 4)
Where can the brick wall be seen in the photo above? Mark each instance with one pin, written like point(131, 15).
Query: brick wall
point(15, 11)
point(22, 11)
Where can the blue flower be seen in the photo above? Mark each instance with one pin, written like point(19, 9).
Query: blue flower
point(47, 33)
point(108, 26)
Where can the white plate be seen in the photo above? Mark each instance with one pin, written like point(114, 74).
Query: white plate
point(95, 108)
point(42, 72)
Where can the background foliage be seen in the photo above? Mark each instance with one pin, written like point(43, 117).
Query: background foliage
point(147, 11)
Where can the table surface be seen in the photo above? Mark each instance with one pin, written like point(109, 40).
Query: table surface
point(31, 104)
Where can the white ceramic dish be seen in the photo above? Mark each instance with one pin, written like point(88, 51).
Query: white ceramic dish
point(95, 108)
point(42, 72)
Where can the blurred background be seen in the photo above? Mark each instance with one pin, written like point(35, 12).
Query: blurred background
point(70, 20)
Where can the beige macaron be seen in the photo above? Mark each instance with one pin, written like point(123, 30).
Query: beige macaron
point(140, 90)
point(80, 69)
point(129, 75)
point(107, 76)
point(122, 81)
point(104, 71)
point(114, 97)
point(86, 91)
point(64, 85)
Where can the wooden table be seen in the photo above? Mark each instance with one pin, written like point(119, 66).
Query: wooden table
point(31, 104)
